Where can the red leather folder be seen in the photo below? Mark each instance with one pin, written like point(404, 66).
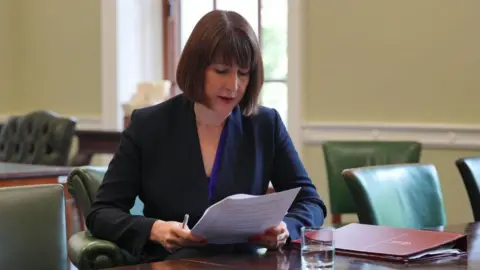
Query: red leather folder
point(396, 244)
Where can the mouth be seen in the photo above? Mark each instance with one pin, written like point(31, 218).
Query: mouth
point(226, 99)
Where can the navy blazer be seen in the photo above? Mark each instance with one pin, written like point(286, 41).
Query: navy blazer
point(159, 159)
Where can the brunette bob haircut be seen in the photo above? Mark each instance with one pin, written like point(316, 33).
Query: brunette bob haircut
point(221, 37)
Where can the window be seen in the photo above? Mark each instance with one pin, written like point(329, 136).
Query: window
point(269, 20)
point(136, 49)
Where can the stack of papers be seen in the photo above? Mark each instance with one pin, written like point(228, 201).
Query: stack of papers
point(240, 216)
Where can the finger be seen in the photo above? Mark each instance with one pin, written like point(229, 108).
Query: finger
point(283, 236)
point(272, 244)
point(185, 238)
point(278, 242)
point(282, 240)
point(186, 234)
point(180, 225)
point(275, 230)
point(176, 242)
point(171, 244)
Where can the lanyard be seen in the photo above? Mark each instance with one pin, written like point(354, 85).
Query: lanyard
point(216, 164)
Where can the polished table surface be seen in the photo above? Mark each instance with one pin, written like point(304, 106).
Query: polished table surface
point(290, 259)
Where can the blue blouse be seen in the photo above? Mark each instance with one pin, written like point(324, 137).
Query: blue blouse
point(218, 157)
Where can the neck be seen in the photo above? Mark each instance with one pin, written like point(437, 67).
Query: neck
point(205, 116)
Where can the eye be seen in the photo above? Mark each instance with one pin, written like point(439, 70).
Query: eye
point(221, 70)
point(243, 73)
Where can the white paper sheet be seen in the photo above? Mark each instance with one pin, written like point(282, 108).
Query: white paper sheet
point(237, 217)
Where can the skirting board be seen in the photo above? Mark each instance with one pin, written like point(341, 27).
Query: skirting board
point(94, 123)
point(430, 135)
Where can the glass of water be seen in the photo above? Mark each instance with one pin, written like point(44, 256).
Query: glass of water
point(318, 247)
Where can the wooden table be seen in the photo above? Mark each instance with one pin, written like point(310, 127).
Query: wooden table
point(12, 174)
point(91, 142)
point(290, 259)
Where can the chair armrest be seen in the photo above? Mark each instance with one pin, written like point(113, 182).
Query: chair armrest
point(88, 252)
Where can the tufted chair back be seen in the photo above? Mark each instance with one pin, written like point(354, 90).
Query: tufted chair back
point(40, 137)
point(7, 141)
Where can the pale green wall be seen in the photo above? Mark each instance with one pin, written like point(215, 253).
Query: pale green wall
point(395, 61)
point(50, 51)
point(6, 54)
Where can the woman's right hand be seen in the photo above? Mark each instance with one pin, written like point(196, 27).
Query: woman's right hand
point(172, 236)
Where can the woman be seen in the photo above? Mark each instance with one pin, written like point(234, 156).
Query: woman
point(201, 146)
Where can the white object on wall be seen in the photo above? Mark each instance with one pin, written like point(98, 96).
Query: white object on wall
point(147, 94)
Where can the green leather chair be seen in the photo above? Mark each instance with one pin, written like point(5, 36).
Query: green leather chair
point(33, 228)
point(469, 169)
point(341, 155)
point(39, 137)
point(84, 250)
point(406, 196)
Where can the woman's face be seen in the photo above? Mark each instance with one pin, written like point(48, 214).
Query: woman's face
point(225, 86)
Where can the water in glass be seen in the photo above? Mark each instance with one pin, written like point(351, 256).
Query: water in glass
point(318, 256)
point(318, 248)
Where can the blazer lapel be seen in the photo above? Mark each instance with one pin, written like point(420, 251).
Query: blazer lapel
point(188, 154)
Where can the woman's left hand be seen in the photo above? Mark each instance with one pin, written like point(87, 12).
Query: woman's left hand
point(273, 237)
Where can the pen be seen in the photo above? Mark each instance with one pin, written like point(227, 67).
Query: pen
point(185, 220)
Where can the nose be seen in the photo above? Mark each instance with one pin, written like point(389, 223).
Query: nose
point(232, 81)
